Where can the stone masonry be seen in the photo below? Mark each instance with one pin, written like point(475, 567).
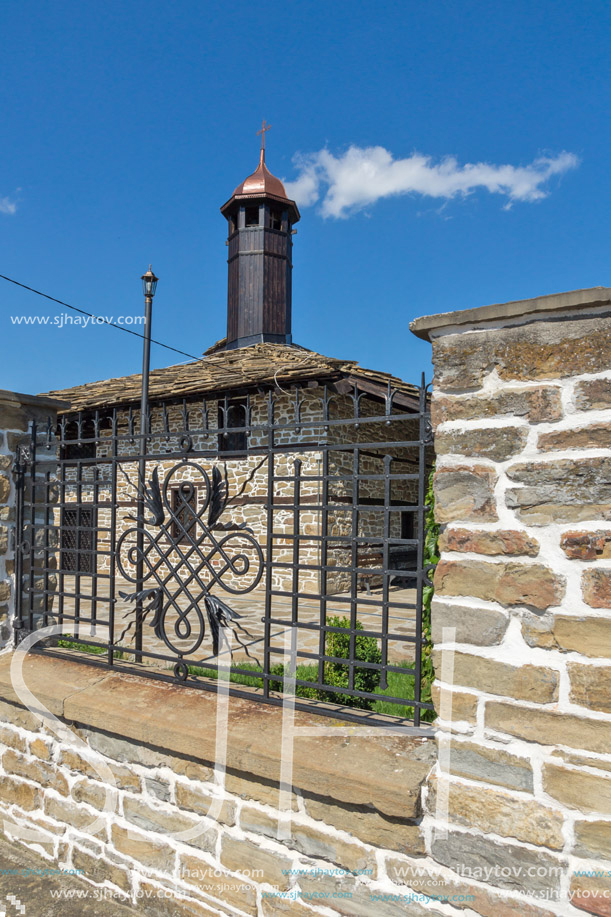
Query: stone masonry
point(509, 813)
point(158, 741)
point(126, 828)
point(250, 474)
point(17, 411)
point(522, 610)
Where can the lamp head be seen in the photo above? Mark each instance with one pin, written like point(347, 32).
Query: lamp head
point(149, 283)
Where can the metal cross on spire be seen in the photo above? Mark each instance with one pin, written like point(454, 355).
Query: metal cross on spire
point(264, 127)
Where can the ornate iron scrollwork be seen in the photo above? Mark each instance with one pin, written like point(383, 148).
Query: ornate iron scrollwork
point(23, 457)
point(186, 556)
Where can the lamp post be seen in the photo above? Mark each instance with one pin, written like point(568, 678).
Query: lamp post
point(149, 286)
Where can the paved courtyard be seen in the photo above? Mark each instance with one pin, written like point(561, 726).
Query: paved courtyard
point(400, 616)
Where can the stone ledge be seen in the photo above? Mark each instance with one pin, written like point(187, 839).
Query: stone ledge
point(385, 772)
point(8, 397)
point(17, 410)
point(429, 326)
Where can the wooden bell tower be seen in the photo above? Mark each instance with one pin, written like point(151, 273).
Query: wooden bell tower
point(260, 240)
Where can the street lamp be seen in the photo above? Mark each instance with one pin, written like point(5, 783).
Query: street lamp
point(149, 283)
point(149, 286)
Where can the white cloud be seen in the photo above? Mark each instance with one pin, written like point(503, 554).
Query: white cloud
point(361, 176)
point(7, 205)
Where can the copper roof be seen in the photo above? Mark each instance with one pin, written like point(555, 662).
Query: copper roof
point(261, 182)
point(247, 368)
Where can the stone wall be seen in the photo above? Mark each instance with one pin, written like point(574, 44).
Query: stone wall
point(251, 473)
point(348, 835)
point(348, 839)
point(17, 412)
point(511, 813)
point(522, 611)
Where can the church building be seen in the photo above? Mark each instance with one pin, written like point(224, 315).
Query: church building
point(304, 467)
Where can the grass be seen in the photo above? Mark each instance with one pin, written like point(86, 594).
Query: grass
point(399, 685)
point(251, 682)
point(402, 685)
point(88, 648)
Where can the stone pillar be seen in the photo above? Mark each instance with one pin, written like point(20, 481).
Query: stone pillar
point(17, 411)
point(522, 415)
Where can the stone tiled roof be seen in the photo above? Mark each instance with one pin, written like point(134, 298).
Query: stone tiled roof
point(262, 365)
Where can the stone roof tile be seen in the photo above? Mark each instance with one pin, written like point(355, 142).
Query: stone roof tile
point(261, 365)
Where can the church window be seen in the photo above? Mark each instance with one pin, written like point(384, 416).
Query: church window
point(236, 417)
point(84, 445)
point(252, 216)
point(78, 539)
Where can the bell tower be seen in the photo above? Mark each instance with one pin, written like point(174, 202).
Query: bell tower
point(260, 219)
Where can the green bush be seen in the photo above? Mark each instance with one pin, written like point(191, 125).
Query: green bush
point(431, 556)
point(366, 649)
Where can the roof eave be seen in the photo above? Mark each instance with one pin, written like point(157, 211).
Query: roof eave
point(285, 201)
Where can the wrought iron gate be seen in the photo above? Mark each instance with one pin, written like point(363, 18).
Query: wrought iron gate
point(262, 524)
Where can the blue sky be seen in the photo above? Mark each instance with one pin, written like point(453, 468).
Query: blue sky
point(126, 125)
